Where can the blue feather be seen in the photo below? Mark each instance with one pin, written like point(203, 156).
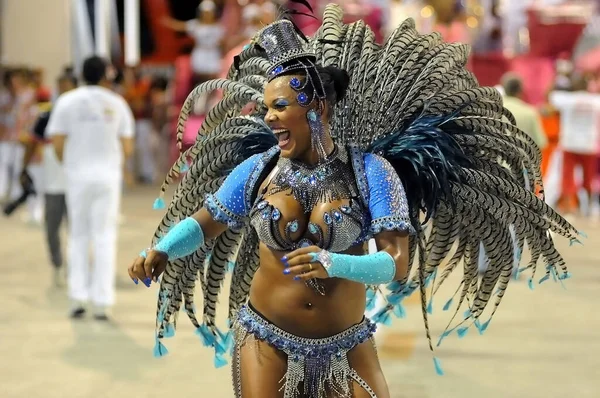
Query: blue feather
point(159, 349)
point(462, 332)
point(438, 366)
point(257, 142)
point(427, 159)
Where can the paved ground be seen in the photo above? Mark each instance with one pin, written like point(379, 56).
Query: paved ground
point(542, 343)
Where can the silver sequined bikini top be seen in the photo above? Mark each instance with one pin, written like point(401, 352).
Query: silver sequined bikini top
point(335, 230)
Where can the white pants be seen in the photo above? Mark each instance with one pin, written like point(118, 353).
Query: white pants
point(11, 162)
point(93, 209)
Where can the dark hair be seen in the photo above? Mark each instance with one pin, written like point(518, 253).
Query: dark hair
point(578, 82)
point(512, 84)
point(335, 82)
point(94, 70)
point(68, 76)
point(159, 83)
point(7, 76)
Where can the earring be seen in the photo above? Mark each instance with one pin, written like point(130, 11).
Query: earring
point(317, 134)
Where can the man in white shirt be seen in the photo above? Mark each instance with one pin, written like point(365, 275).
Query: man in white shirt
point(579, 140)
point(92, 130)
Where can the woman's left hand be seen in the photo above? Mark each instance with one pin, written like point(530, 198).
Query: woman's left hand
point(299, 265)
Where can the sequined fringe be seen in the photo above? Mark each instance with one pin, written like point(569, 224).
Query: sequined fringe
point(321, 365)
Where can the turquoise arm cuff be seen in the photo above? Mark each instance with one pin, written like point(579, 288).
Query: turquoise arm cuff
point(182, 240)
point(370, 269)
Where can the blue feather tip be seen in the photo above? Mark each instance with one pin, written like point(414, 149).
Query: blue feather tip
point(438, 366)
point(219, 360)
point(169, 330)
point(530, 284)
point(482, 327)
point(448, 304)
point(462, 332)
point(208, 339)
point(159, 349)
point(159, 204)
point(399, 311)
point(430, 307)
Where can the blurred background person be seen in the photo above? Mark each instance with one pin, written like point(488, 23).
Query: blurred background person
point(579, 141)
point(55, 207)
point(18, 120)
point(6, 103)
point(136, 90)
point(208, 35)
point(160, 112)
point(92, 130)
point(527, 116)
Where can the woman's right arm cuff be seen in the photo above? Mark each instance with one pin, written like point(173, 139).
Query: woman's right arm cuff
point(182, 240)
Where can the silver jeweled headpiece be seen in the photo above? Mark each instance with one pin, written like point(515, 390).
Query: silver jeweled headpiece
point(287, 51)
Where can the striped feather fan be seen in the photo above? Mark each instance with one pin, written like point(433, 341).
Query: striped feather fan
point(470, 175)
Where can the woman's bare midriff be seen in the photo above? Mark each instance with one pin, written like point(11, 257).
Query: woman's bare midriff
point(298, 309)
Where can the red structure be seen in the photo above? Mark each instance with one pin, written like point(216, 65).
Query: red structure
point(550, 39)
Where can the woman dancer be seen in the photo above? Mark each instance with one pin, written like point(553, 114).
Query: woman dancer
point(350, 141)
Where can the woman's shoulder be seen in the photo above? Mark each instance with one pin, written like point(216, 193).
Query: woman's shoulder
point(250, 169)
point(260, 159)
point(367, 161)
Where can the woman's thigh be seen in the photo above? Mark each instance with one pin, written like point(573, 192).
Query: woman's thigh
point(261, 368)
point(363, 359)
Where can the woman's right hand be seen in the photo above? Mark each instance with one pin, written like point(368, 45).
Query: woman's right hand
point(149, 268)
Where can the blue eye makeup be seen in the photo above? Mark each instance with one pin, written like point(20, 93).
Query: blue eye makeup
point(281, 103)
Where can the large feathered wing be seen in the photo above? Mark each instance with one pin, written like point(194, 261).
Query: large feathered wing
point(226, 139)
point(471, 176)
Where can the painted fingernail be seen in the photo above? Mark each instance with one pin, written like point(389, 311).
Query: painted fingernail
point(296, 278)
point(135, 280)
point(284, 259)
point(147, 282)
point(286, 271)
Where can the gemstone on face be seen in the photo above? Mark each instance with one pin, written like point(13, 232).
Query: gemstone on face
point(277, 70)
point(262, 205)
point(327, 218)
point(266, 214)
point(337, 216)
point(346, 209)
point(276, 215)
point(294, 226)
point(312, 228)
point(302, 98)
point(295, 82)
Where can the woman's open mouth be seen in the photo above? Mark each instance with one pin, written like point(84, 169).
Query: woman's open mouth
point(283, 136)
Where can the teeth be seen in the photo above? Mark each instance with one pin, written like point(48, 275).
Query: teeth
point(279, 131)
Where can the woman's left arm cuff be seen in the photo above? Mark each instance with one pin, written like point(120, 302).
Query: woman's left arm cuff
point(370, 269)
